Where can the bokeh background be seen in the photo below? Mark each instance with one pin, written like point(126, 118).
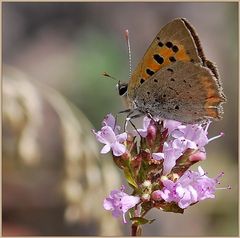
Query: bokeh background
point(54, 179)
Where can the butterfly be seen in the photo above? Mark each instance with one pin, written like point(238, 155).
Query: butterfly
point(174, 80)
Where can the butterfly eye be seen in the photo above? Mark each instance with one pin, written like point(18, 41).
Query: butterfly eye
point(122, 88)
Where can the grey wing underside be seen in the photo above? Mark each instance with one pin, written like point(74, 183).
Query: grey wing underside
point(183, 91)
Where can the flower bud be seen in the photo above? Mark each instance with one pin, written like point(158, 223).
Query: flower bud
point(198, 156)
point(146, 183)
point(130, 137)
point(151, 132)
point(156, 195)
point(145, 197)
point(175, 176)
point(163, 178)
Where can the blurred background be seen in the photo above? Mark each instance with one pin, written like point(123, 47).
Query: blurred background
point(54, 179)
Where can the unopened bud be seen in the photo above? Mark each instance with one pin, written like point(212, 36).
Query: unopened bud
point(146, 197)
point(130, 137)
point(175, 176)
point(146, 183)
point(156, 195)
point(163, 178)
point(198, 156)
point(151, 132)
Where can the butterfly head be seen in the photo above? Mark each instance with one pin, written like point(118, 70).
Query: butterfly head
point(122, 88)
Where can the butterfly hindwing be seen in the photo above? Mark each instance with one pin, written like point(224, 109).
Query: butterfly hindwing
point(182, 91)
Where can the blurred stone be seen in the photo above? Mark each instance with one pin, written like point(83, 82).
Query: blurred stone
point(50, 163)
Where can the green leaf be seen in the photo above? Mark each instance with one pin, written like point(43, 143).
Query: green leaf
point(151, 221)
point(147, 206)
point(131, 212)
point(143, 171)
point(139, 220)
point(171, 207)
point(129, 177)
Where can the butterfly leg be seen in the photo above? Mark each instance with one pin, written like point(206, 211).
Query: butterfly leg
point(127, 110)
point(150, 116)
point(134, 116)
point(129, 118)
point(134, 127)
point(130, 111)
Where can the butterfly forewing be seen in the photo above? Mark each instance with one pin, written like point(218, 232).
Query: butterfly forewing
point(174, 42)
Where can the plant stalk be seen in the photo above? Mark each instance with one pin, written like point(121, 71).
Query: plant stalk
point(136, 230)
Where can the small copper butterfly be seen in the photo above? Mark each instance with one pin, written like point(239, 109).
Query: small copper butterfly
point(174, 80)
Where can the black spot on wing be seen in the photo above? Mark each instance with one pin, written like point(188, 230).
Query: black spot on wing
point(158, 58)
point(160, 44)
point(169, 44)
point(149, 72)
point(175, 48)
point(172, 59)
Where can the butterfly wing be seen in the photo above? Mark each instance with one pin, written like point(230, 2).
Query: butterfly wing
point(177, 41)
point(182, 91)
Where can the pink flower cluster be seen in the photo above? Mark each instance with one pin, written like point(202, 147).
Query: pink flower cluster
point(168, 148)
point(109, 135)
point(119, 203)
point(188, 189)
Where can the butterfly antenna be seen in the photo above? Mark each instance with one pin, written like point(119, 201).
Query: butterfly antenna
point(129, 52)
point(108, 75)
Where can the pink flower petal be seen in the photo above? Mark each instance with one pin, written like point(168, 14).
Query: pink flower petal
point(119, 203)
point(190, 188)
point(129, 202)
point(171, 125)
point(107, 204)
point(143, 131)
point(201, 171)
point(105, 149)
point(118, 149)
point(99, 137)
point(185, 201)
point(146, 122)
point(109, 120)
point(180, 190)
point(177, 134)
point(166, 195)
point(122, 137)
point(108, 134)
point(158, 156)
point(170, 157)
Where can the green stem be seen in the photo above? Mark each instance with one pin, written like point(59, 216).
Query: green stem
point(145, 212)
point(136, 229)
